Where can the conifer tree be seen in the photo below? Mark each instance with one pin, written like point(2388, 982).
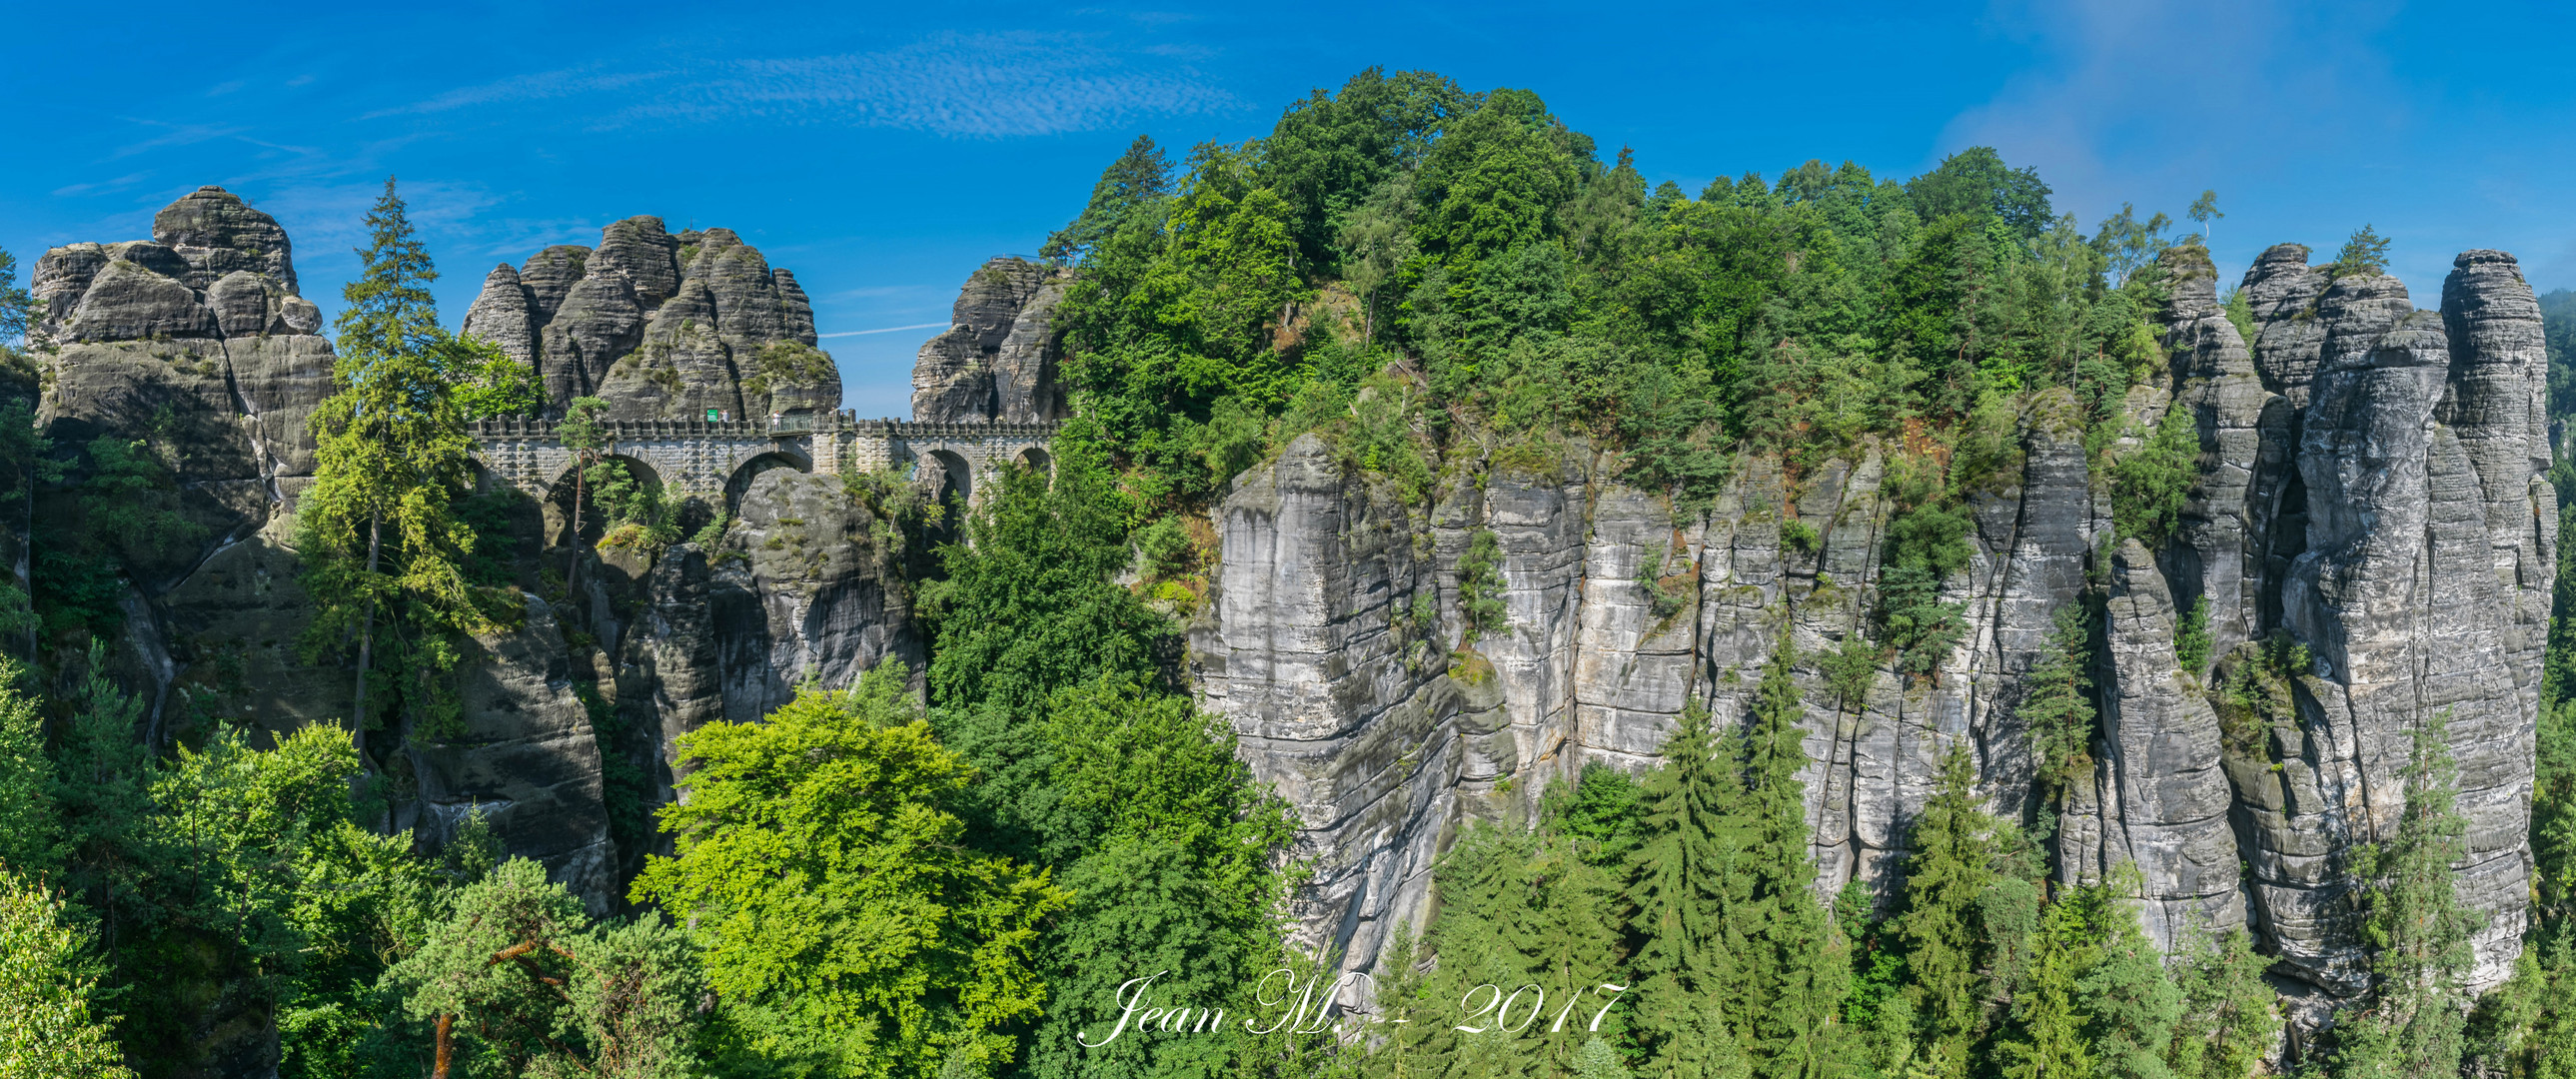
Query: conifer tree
point(1518, 909)
point(1954, 846)
point(1682, 879)
point(2047, 1038)
point(1797, 970)
point(2229, 1013)
point(2131, 1005)
point(377, 531)
point(2416, 928)
point(2057, 707)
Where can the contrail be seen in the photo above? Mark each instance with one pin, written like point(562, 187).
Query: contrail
point(889, 329)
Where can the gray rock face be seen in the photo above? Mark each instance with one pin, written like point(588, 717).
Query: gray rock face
point(829, 606)
point(527, 759)
point(218, 234)
point(128, 302)
point(662, 326)
point(998, 359)
point(2368, 489)
point(197, 341)
point(505, 315)
point(2165, 799)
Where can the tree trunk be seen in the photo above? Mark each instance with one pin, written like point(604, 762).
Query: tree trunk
point(367, 633)
point(572, 563)
point(446, 1021)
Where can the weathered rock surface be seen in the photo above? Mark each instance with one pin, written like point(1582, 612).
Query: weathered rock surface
point(662, 326)
point(2368, 488)
point(197, 343)
point(829, 604)
point(527, 759)
point(998, 359)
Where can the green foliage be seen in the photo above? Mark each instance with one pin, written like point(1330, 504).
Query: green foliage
point(834, 893)
point(16, 306)
point(1166, 844)
point(30, 832)
point(2205, 209)
point(787, 365)
point(638, 513)
point(1927, 542)
point(2364, 254)
point(1480, 586)
point(1685, 967)
point(1954, 844)
point(1849, 669)
point(2191, 638)
point(51, 1026)
point(377, 533)
point(1331, 152)
point(2149, 484)
point(2416, 928)
point(1134, 181)
point(2240, 313)
point(533, 987)
point(1029, 605)
point(2057, 704)
point(122, 520)
point(1975, 182)
point(2230, 1016)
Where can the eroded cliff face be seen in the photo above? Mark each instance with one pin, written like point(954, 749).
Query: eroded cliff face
point(661, 325)
point(998, 359)
point(197, 341)
point(2369, 489)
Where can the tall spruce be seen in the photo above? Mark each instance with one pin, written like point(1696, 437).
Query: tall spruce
point(2046, 1038)
point(1954, 845)
point(1797, 968)
point(376, 531)
point(1683, 877)
point(2414, 1021)
point(2131, 1005)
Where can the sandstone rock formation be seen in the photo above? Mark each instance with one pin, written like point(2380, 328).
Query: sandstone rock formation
point(2369, 491)
point(662, 325)
point(998, 359)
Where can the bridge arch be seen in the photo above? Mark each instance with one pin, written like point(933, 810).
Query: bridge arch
point(1037, 458)
point(562, 489)
point(944, 474)
point(751, 468)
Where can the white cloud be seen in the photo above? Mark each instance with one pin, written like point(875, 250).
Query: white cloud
point(957, 85)
point(541, 86)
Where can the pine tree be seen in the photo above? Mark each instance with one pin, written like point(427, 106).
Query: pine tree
point(376, 530)
point(2057, 706)
point(1797, 969)
point(1954, 847)
point(2132, 1006)
point(2047, 1038)
point(2229, 1013)
point(1682, 880)
point(2417, 930)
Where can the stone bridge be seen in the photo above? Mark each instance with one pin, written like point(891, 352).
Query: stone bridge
point(716, 459)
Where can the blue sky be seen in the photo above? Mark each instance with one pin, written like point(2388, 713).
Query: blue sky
point(882, 152)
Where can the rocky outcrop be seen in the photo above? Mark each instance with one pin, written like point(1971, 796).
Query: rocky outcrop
point(998, 359)
point(196, 343)
point(823, 575)
point(661, 325)
point(527, 759)
point(2368, 491)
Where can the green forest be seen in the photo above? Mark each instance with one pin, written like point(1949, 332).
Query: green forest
point(962, 881)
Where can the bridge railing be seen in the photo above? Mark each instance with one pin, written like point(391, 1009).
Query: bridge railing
point(519, 427)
